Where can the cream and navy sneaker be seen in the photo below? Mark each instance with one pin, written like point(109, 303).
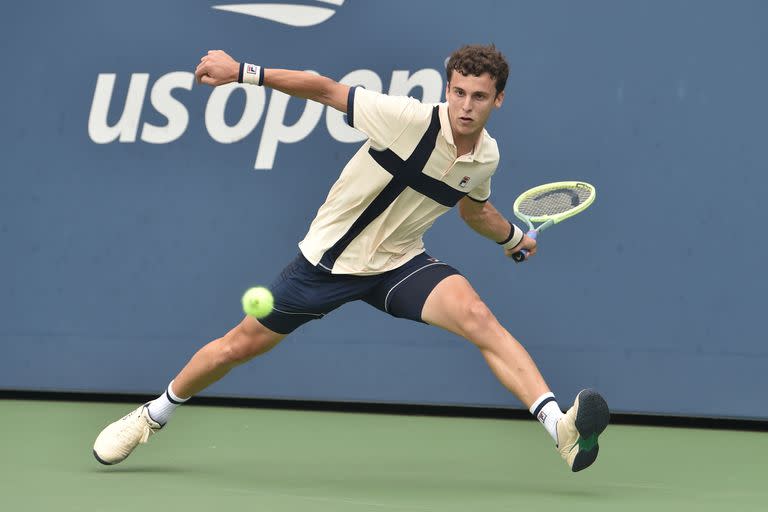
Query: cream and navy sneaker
point(118, 440)
point(578, 429)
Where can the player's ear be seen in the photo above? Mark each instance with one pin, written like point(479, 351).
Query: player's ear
point(499, 99)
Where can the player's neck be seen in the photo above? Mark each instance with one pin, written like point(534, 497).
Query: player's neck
point(465, 144)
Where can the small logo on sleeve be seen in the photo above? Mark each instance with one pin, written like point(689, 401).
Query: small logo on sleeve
point(464, 181)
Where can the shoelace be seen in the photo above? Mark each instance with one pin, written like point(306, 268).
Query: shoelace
point(129, 428)
point(145, 435)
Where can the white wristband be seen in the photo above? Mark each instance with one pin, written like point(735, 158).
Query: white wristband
point(515, 236)
point(251, 74)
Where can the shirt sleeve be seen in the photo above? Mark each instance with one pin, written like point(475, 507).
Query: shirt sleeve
point(379, 116)
point(482, 192)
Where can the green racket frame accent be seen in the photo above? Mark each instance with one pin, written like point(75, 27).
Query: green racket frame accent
point(550, 220)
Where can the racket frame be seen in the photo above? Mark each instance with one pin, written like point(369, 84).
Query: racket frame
point(550, 220)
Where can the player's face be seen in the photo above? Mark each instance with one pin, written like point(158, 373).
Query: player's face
point(470, 102)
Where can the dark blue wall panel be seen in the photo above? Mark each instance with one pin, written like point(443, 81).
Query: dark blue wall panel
point(120, 255)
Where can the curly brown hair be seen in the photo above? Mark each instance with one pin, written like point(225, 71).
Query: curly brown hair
point(478, 59)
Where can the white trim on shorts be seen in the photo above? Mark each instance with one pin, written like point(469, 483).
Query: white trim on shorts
point(318, 315)
point(386, 307)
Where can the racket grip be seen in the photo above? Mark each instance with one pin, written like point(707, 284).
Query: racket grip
point(522, 254)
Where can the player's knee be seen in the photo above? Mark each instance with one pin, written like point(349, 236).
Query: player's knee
point(244, 343)
point(235, 352)
point(475, 318)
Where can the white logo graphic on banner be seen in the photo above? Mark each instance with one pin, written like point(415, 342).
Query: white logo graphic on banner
point(167, 91)
point(259, 103)
point(287, 14)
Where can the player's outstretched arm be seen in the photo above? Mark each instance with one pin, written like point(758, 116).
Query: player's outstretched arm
point(218, 68)
point(486, 220)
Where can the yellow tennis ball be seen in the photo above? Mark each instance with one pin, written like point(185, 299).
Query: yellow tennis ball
point(258, 302)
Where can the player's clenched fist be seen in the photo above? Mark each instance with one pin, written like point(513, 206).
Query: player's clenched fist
point(217, 68)
point(527, 243)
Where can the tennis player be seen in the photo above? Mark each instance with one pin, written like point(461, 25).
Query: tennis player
point(365, 243)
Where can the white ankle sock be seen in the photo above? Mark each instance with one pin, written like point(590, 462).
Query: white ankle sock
point(161, 408)
point(546, 410)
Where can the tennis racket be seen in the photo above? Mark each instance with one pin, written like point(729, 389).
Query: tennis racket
point(549, 204)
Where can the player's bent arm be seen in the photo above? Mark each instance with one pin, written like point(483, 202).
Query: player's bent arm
point(486, 220)
point(218, 68)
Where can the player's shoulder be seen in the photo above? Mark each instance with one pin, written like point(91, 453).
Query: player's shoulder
point(373, 96)
point(394, 103)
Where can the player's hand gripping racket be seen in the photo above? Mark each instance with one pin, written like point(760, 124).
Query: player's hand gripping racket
point(549, 204)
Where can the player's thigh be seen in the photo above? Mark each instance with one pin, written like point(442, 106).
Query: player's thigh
point(455, 306)
point(252, 338)
point(303, 293)
point(402, 292)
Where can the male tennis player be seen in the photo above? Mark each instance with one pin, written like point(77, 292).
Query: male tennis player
point(366, 242)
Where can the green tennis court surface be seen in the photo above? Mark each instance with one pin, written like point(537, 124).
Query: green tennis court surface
point(227, 459)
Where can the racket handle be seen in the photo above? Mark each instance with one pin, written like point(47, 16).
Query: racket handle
point(522, 254)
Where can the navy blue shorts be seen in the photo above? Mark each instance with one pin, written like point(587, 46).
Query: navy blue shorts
point(303, 292)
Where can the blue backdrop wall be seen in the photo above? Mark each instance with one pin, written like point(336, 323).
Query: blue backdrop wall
point(136, 206)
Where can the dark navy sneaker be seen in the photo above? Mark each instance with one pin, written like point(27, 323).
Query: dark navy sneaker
point(578, 429)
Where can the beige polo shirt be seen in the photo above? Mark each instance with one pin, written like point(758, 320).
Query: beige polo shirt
point(397, 184)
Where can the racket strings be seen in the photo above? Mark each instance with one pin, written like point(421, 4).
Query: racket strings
point(554, 202)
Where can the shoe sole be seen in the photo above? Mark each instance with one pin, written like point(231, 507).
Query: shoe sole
point(591, 420)
point(102, 460)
